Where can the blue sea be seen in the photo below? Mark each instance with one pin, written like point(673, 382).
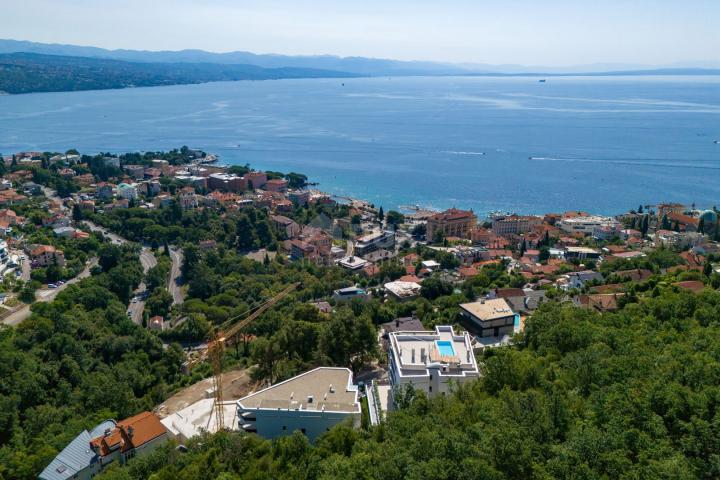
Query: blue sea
point(602, 144)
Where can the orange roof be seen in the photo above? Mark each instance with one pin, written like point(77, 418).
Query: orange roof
point(453, 214)
point(466, 272)
point(130, 433)
point(142, 428)
point(42, 249)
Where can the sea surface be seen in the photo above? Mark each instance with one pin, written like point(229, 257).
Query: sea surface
point(602, 144)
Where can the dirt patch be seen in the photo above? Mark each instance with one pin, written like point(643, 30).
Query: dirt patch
point(236, 384)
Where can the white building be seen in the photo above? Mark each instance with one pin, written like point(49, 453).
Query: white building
point(127, 191)
point(403, 290)
point(431, 361)
point(589, 225)
point(199, 417)
point(375, 241)
point(312, 402)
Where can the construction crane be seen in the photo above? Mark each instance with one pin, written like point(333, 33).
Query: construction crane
point(225, 335)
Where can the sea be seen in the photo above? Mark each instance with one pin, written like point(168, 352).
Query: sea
point(511, 144)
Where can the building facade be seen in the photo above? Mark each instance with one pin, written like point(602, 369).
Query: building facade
point(431, 361)
point(492, 318)
point(451, 223)
point(312, 403)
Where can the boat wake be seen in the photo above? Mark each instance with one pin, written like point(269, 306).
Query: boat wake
point(455, 152)
point(648, 162)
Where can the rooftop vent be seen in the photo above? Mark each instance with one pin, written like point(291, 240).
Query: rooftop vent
point(332, 389)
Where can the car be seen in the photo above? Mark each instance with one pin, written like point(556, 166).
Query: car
point(60, 282)
point(135, 300)
point(52, 285)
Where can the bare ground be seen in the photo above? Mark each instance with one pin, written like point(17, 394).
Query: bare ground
point(236, 384)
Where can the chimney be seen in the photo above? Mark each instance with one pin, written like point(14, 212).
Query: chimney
point(130, 432)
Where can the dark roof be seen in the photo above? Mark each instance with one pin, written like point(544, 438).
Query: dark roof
point(403, 324)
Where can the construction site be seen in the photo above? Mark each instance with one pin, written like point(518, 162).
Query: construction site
point(210, 404)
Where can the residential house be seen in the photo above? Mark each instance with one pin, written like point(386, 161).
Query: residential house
point(285, 225)
point(431, 361)
point(109, 442)
point(492, 318)
point(403, 291)
point(46, 255)
point(349, 293)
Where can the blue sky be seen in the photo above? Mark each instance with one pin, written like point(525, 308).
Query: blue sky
point(528, 32)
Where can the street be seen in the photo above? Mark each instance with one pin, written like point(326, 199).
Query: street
point(137, 303)
point(47, 295)
point(173, 286)
point(116, 239)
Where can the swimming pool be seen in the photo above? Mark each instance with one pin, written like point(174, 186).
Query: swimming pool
point(445, 348)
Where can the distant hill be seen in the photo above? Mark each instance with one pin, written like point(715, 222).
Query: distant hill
point(357, 65)
point(33, 72)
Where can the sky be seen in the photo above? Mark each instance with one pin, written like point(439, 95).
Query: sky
point(524, 32)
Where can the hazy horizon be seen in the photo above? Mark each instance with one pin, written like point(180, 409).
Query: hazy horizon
point(558, 33)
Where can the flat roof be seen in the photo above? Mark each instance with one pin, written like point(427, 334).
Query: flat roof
point(331, 389)
point(415, 352)
point(488, 309)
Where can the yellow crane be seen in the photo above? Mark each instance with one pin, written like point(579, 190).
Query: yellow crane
point(225, 335)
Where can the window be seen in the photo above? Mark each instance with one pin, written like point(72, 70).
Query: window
point(303, 431)
point(430, 387)
point(284, 427)
point(431, 377)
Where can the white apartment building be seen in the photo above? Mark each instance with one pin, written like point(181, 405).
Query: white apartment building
point(431, 361)
point(374, 241)
point(590, 225)
point(312, 402)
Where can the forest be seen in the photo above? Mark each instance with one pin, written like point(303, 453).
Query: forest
point(32, 72)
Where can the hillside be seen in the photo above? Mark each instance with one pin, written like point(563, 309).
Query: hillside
point(32, 72)
point(356, 65)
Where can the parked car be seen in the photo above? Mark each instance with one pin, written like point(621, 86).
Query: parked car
point(52, 285)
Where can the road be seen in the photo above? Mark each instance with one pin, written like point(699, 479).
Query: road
point(174, 288)
point(137, 303)
point(117, 239)
point(47, 295)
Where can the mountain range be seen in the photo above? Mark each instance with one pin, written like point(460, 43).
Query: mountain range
point(33, 67)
